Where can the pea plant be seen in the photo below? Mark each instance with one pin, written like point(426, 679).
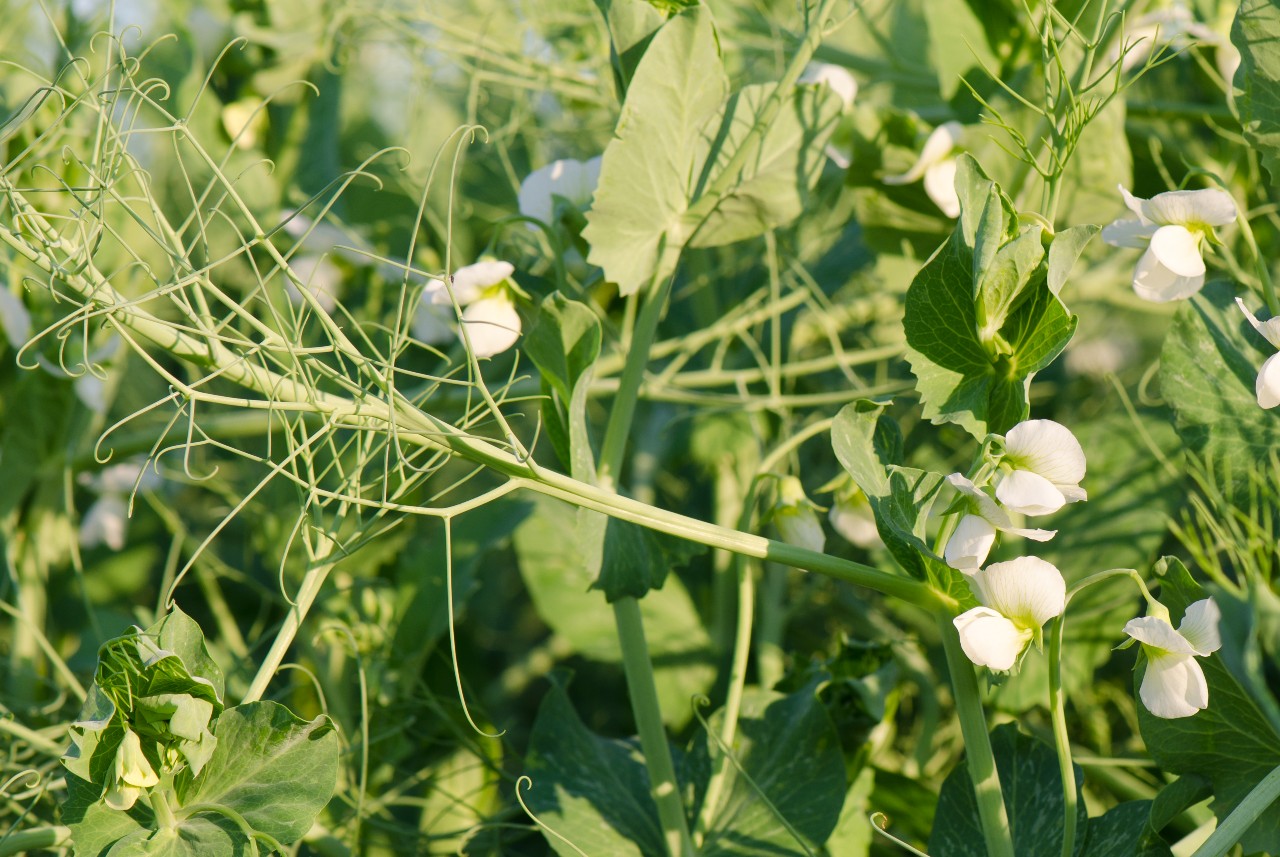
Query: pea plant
point(640, 427)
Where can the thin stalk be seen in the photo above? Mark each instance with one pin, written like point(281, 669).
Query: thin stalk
point(653, 738)
point(1264, 794)
point(312, 581)
point(977, 744)
point(1057, 706)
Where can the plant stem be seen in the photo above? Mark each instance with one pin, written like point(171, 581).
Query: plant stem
point(1264, 794)
point(1057, 706)
point(22, 841)
point(653, 738)
point(977, 744)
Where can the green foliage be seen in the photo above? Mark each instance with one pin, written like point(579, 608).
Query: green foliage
point(1256, 33)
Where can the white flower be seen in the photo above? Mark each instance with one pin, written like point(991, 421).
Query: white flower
point(1018, 597)
point(1174, 685)
point(937, 165)
point(1268, 384)
point(851, 516)
point(14, 319)
point(1046, 465)
point(489, 312)
point(974, 536)
point(244, 121)
point(107, 519)
point(573, 181)
point(1171, 226)
point(795, 518)
point(131, 773)
point(836, 77)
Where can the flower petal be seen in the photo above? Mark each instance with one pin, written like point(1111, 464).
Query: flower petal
point(1027, 590)
point(1269, 329)
point(837, 77)
point(1033, 534)
point(1178, 249)
point(1047, 448)
point(105, 522)
point(1200, 626)
point(470, 281)
point(14, 319)
point(937, 148)
point(1128, 232)
point(492, 325)
point(1267, 387)
point(1173, 686)
point(1135, 205)
point(982, 505)
point(1208, 207)
point(853, 519)
point(431, 323)
point(969, 545)
point(940, 184)
point(1029, 493)
point(989, 639)
point(568, 178)
point(1154, 282)
point(1155, 633)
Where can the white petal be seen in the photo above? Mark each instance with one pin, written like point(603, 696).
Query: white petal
point(940, 184)
point(470, 281)
point(1047, 448)
point(1268, 385)
point(14, 319)
point(1029, 493)
point(1034, 534)
point(92, 392)
point(1135, 205)
point(989, 639)
point(105, 522)
point(1200, 626)
point(1156, 633)
point(1027, 590)
point(1173, 686)
point(799, 526)
point(1128, 232)
point(1154, 282)
point(969, 545)
point(319, 276)
point(430, 324)
point(1178, 249)
point(573, 180)
point(492, 325)
point(836, 77)
point(1209, 207)
point(121, 478)
point(936, 149)
point(856, 523)
point(1269, 329)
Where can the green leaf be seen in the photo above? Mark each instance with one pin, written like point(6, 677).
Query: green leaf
point(634, 227)
point(593, 791)
point(784, 165)
point(973, 369)
point(199, 836)
point(632, 25)
point(564, 343)
point(1208, 369)
point(1170, 802)
point(179, 633)
point(263, 749)
point(1119, 831)
point(1231, 743)
point(788, 766)
point(1032, 788)
point(1256, 33)
point(1064, 251)
point(957, 44)
point(94, 825)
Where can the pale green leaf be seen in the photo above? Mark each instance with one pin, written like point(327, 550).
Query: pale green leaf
point(957, 44)
point(1256, 33)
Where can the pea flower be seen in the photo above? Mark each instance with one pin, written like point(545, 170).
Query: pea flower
point(573, 181)
point(1267, 387)
point(1174, 684)
point(937, 166)
point(836, 77)
point(15, 321)
point(795, 518)
point(1017, 597)
point(975, 534)
point(107, 519)
point(131, 773)
point(1171, 226)
point(851, 516)
point(1045, 465)
point(489, 316)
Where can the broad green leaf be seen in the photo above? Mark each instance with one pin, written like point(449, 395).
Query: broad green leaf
point(94, 825)
point(1118, 832)
point(1064, 251)
point(1170, 802)
point(1015, 267)
point(178, 633)
point(852, 836)
point(1032, 787)
point(564, 343)
point(1208, 369)
point(634, 226)
point(782, 167)
point(789, 766)
point(1231, 743)
point(957, 44)
point(559, 583)
point(263, 749)
point(632, 25)
point(1101, 161)
point(1256, 33)
point(593, 791)
point(199, 836)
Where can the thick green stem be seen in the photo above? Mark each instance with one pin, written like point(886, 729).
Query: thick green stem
point(1264, 794)
point(1057, 705)
point(22, 841)
point(977, 744)
point(653, 738)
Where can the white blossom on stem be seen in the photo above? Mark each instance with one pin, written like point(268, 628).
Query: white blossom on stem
point(852, 517)
point(937, 166)
point(573, 181)
point(1172, 226)
point(975, 534)
point(131, 773)
point(489, 316)
point(106, 521)
point(1174, 684)
point(836, 77)
point(795, 517)
point(1045, 464)
point(1267, 387)
point(1017, 597)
